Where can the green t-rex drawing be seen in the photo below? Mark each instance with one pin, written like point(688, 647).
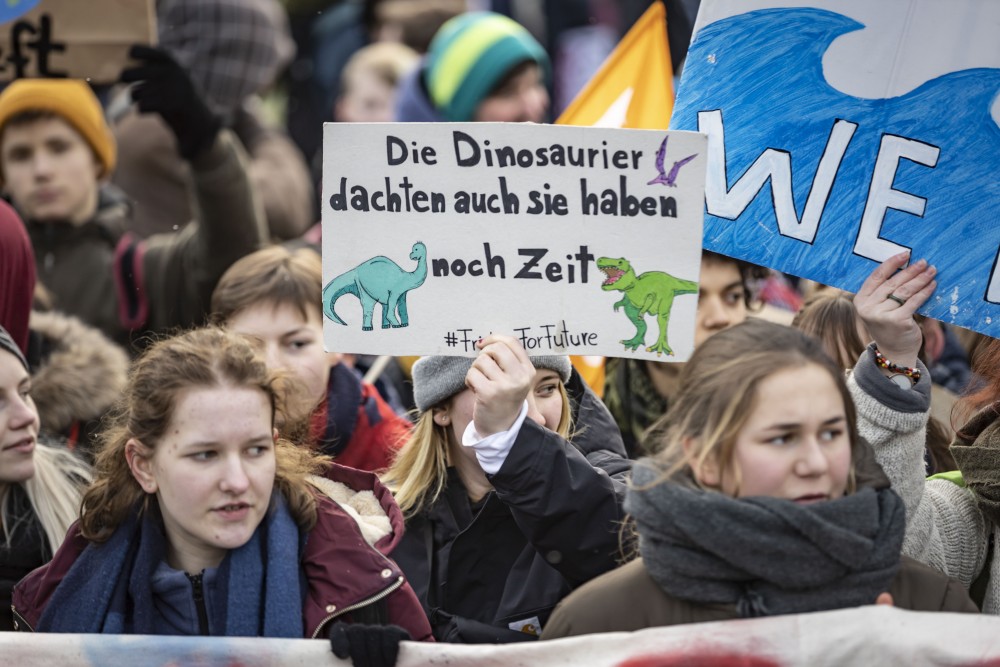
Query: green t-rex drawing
point(378, 280)
point(650, 293)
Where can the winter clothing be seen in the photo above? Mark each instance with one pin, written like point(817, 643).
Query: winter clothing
point(17, 276)
point(438, 378)
point(161, 86)
point(413, 102)
point(947, 526)
point(355, 425)
point(8, 345)
point(28, 549)
point(70, 99)
point(682, 577)
point(109, 587)
point(628, 599)
point(357, 523)
point(633, 401)
point(371, 645)
point(469, 55)
point(77, 374)
point(158, 181)
point(166, 281)
point(706, 547)
point(232, 50)
point(493, 572)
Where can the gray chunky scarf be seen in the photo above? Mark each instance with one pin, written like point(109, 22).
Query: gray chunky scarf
point(765, 555)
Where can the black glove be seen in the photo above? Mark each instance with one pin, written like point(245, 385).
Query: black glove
point(163, 87)
point(367, 645)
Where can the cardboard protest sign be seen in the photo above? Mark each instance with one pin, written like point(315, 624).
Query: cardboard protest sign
point(575, 240)
point(841, 133)
point(72, 39)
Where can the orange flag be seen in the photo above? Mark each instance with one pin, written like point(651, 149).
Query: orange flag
point(634, 86)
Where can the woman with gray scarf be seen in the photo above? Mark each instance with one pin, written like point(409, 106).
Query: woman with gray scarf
point(764, 501)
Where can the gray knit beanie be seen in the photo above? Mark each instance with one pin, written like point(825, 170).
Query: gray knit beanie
point(438, 378)
point(7, 343)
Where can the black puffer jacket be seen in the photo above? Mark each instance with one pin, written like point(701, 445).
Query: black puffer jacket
point(493, 572)
point(28, 548)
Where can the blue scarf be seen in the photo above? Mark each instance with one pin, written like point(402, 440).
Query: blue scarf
point(108, 589)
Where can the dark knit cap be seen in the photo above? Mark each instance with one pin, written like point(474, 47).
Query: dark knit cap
point(7, 343)
point(436, 379)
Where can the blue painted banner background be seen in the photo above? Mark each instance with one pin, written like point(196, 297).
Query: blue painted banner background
point(758, 78)
point(12, 9)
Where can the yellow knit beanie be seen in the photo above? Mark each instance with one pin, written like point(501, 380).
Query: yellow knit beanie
point(70, 99)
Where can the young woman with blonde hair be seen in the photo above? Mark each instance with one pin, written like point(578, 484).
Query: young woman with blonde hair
point(504, 514)
point(40, 485)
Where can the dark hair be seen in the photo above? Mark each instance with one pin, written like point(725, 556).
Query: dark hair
point(750, 274)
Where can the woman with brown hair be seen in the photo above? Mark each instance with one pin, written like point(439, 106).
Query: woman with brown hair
point(763, 500)
point(201, 520)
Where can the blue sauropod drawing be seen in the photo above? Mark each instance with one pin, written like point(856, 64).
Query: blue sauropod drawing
point(378, 280)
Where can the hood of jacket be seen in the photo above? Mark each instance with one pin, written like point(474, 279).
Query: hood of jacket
point(362, 497)
point(79, 372)
point(413, 104)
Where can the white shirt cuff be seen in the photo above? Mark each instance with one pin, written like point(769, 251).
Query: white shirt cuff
point(492, 450)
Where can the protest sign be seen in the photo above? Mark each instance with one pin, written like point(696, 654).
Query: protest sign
point(574, 240)
point(70, 38)
point(873, 635)
point(841, 133)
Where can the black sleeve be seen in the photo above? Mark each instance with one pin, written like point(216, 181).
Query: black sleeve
point(569, 510)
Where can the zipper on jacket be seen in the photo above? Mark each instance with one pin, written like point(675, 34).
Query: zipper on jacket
point(199, 602)
point(357, 605)
point(19, 621)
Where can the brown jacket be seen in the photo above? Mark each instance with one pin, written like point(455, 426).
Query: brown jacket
point(628, 599)
point(154, 176)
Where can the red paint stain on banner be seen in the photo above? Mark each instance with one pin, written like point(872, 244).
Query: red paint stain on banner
point(706, 659)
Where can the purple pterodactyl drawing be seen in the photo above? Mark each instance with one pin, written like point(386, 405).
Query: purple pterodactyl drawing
point(671, 178)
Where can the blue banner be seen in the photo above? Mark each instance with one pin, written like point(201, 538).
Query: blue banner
point(818, 183)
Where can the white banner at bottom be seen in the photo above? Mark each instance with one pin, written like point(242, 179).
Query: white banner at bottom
point(874, 635)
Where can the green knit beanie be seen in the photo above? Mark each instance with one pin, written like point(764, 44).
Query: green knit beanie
point(470, 55)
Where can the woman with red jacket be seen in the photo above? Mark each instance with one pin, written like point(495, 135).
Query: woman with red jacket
point(202, 521)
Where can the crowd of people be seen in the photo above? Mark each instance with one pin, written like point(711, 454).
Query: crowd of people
point(179, 454)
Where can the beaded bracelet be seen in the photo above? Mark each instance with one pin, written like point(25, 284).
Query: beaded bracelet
point(882, 362)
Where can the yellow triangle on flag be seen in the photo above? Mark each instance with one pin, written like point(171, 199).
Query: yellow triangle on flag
point(634, 86)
